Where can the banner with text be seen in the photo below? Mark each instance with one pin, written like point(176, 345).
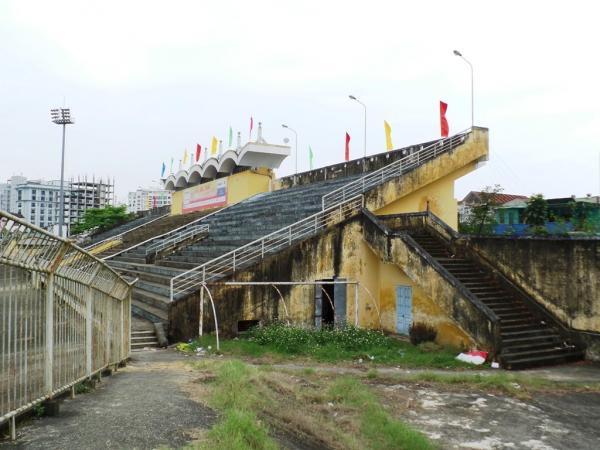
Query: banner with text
point(205, 196)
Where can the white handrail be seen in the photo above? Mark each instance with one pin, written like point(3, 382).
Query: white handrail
point(91, 247)
point(337, 205)
point(177, 238)
point(193, 222)
point(257, 249)
point(393, 169)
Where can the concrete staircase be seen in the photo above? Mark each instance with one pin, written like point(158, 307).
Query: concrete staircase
point(527, 340)
point(141, 339)
point(230, 228)
point(149, 231)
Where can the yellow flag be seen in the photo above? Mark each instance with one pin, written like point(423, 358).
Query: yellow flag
point(388, 136)
point(213, 150)
point(185, 156)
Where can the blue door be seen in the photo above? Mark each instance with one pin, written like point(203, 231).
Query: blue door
point(403, 309)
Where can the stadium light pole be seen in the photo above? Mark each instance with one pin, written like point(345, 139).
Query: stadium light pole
point(352, 97)
point(62, 116)
point(459, 54)
point(296, 143)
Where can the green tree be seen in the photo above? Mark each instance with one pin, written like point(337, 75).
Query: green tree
point(101, 219)
point(536, 211)
point(483, 215)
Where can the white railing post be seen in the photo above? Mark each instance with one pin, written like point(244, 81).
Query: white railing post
point(49, 335)
point(356, 305)
point(316, 223)
point(89, 320)
point(290, 235)
point(234, 261)
point(262, 249)
point(171, 290)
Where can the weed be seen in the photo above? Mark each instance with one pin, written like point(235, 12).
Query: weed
point(279, 341)
point(372, 374)
point(39, 410)
point(235, 395)
point(308, 371)
point(381, 430)
point(83, 388)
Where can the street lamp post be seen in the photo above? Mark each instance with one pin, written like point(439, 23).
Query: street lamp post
point(457, 53)
point(62, 116)
point(296, 144)
point(352, 97)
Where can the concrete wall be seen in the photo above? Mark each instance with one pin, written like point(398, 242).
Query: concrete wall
point(342, 253)
point(561, 274)
point(431, 183)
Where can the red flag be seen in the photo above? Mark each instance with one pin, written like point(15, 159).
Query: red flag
point(347, 147)
point(198, 151)
point(443, 122)
point(251, 126)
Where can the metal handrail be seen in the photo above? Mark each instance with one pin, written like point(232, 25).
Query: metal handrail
point(91, 247)
point(343, 199)
point(177, 238)
point(193, 222)
point(256, 250)
point(393, 169)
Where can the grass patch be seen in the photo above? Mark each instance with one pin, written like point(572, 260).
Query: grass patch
point(511, 384)
point(318, 409)
point(234, 395)
point(280, 341)
point(378, 428)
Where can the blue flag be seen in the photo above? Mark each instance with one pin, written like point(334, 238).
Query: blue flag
point(162, 172)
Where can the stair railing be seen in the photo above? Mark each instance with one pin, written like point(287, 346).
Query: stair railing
point(393, 170)
point(92, 247)
point(337, 206)
point(256, 250)
point(172, 241)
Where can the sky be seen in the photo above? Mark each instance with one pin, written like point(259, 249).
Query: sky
point(146, 80)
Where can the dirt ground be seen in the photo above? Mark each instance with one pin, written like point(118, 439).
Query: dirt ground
point(150, 404)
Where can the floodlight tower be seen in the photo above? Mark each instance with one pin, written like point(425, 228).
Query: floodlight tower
point(62, 116)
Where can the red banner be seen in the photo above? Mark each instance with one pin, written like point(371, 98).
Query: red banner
point(198, 151)
point(445, 129)
point(347, 147)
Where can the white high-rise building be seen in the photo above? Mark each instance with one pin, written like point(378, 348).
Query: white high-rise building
point(38, 201)
point(145, 199)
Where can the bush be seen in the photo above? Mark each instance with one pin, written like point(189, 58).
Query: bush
point(421, 332)
point(296, 340)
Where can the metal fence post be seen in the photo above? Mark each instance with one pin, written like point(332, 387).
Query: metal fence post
point(356, 305)
point(49, 334)
point(89, 317)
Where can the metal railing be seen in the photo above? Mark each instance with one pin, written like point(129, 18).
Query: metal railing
point(393, 170)
point(255, 251)
point(64, 315)
point(338, 205)
point(91, 248)
point(169, 233)
point(171, 242)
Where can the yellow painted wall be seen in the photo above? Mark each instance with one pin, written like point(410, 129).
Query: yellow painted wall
point(377, 293)
point(245, 184)
point(240, 186)
point(439, 194)
point(381, 279)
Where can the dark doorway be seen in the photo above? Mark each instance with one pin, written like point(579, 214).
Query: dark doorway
point(328, 315)
point(330, 303)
